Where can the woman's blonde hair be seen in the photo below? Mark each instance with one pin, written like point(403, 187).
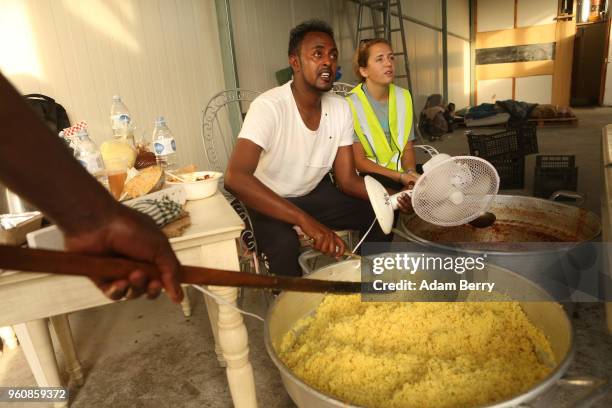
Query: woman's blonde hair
point(362, 54)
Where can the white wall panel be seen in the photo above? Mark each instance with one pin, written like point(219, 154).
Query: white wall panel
point(425, 58)
point(494, 15)
point(458, 17)
point(491, 90)
point(261, 33)
point(534, 89)
point(161, 56)
point(458, 72)
point(429, 11)
point(530, 13)
point(261, 36)
point(344, 20)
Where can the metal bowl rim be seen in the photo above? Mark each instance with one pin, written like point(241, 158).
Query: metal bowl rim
point(570, 245)
point(533, 392)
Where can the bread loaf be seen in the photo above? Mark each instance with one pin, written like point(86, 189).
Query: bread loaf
point(147, 180)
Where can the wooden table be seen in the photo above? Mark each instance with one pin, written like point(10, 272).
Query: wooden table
point(209, 241)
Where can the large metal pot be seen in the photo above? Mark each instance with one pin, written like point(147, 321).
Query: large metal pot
point(510, 242)
point(290, 307)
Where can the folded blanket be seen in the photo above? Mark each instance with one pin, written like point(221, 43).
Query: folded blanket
point(518, 110)
point(483, 110)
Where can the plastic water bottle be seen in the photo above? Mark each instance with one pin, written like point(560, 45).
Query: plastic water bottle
point(119, 115)
point(88, 154)
point(164, 145)
point(125, 131)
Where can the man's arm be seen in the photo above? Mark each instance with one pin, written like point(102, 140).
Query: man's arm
point(35, 164)
point(240, 181)
point(346, 177)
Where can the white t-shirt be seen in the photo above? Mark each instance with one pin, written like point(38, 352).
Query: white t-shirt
point(294, 158)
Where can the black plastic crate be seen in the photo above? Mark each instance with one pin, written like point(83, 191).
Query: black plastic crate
point(517, 138)
point(553, 173)
point(494, 144)
point(555, 161)
point(527, 133)
point(511, 170)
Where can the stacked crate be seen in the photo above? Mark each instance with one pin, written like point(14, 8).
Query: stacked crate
point(553, 173)
point(506, 151)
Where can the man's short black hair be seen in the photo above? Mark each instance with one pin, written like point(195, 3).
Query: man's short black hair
point(298, 33)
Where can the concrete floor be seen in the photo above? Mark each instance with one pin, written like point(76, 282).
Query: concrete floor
point(146, 354)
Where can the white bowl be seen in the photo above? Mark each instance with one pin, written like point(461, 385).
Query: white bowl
point(198, 189)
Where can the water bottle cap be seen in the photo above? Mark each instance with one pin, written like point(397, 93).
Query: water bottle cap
point(160, 121)
point(116, 98)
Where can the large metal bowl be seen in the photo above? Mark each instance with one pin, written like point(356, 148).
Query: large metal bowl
point(290, 307)
point(543, 240)
point(519, 220)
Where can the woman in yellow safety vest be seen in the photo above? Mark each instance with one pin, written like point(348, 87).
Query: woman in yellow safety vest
point(382, 117)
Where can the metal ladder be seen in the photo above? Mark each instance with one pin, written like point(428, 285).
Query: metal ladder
point(382, 8)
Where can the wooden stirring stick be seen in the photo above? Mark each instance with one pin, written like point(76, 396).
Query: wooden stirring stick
point(68, 263)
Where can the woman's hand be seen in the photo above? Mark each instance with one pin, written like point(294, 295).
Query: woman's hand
point(408, 178)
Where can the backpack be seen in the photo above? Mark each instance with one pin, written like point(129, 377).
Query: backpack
point(436, 118)
point(50, 111)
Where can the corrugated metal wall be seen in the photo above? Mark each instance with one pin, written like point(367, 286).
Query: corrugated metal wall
point(459, 80)
point(261, 34)
point(261, 47)
point(161, 56)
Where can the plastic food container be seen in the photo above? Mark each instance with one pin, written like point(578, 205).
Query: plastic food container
point(199, 184)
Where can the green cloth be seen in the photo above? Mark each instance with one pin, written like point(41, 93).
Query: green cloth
point(283, 76)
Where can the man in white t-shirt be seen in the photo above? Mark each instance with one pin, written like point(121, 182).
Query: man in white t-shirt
point(293, 135)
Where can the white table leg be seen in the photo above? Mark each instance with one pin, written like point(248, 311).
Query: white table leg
point(185, 304)
point(36, 343)
point(213, 313)
point(233, 339)
point(8, 337)
point(61, 325)
point(228, 326)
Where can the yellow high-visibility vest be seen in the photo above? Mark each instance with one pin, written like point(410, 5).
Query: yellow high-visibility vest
point(370, 132)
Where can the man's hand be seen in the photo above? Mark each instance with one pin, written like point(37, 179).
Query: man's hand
point(324, 239)
point(404, 202)
point(127, 233)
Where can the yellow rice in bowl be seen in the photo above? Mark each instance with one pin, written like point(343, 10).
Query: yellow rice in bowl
point(403, 355)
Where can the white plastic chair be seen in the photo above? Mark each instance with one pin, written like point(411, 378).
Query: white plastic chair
point(342, 88)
